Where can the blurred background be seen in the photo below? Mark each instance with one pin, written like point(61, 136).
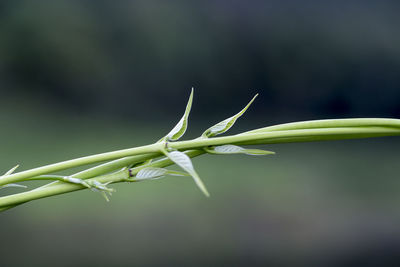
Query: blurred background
point(84, 77)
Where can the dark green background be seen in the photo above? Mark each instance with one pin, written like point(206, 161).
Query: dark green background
point(84, 77)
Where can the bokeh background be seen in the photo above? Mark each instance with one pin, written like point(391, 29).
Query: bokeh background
point(84, 77)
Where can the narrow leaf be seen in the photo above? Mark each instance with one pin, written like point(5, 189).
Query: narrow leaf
point(93, 185)
point(73, 180)
point(226, 124)
point(11, 170)
point(179, 130)
point(152, 173)
point(101, 188)
point(183, 161)
point(232, 149)
point(13, 185)
point(257, 152)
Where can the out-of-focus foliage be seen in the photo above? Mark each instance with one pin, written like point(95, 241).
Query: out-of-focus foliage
point(319, 204)
point(71, 70)
point(304, 57)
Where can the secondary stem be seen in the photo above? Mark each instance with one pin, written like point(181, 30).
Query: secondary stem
point(79, 162)
point(274, 137)
point(63, 188)
point(331, 123)
point(285, 133)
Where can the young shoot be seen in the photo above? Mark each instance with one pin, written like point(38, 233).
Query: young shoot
point(148, 162)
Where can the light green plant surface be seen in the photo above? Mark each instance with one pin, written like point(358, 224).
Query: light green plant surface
point(124, 165)
point(307, 199)
point(304, 195)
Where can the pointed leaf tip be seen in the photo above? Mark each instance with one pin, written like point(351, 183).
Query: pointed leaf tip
point(102, 188)
point(226, 124)
point(152, 173)
point(183, 161)
point(233, 149)
point(10, 171)
point(180, 128)
point(13, 185)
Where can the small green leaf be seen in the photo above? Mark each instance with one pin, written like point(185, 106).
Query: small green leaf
point(11, 170)
point(73, 180)
point(152, 173)
point(226, 124)
point(13, 185)
point(96, 186)
point(183, 161)
point(93, 185)
point(232, 149)
point(179, 130)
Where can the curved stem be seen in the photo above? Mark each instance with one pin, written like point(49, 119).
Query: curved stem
point(62, 188)
point(109, 167)
point(330, 123)
point(289, 136)
point(45, 177)
point(286, 133)
point(269, 137)
point(79, 162)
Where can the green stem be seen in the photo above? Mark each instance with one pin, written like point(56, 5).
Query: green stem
point(324, 134)
point(290, 136)
point(110, 167)
point(79, 162)
point(46, 178)
point(285, 133)
point(62, 188)
point(331, 123)
point(252, 138)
